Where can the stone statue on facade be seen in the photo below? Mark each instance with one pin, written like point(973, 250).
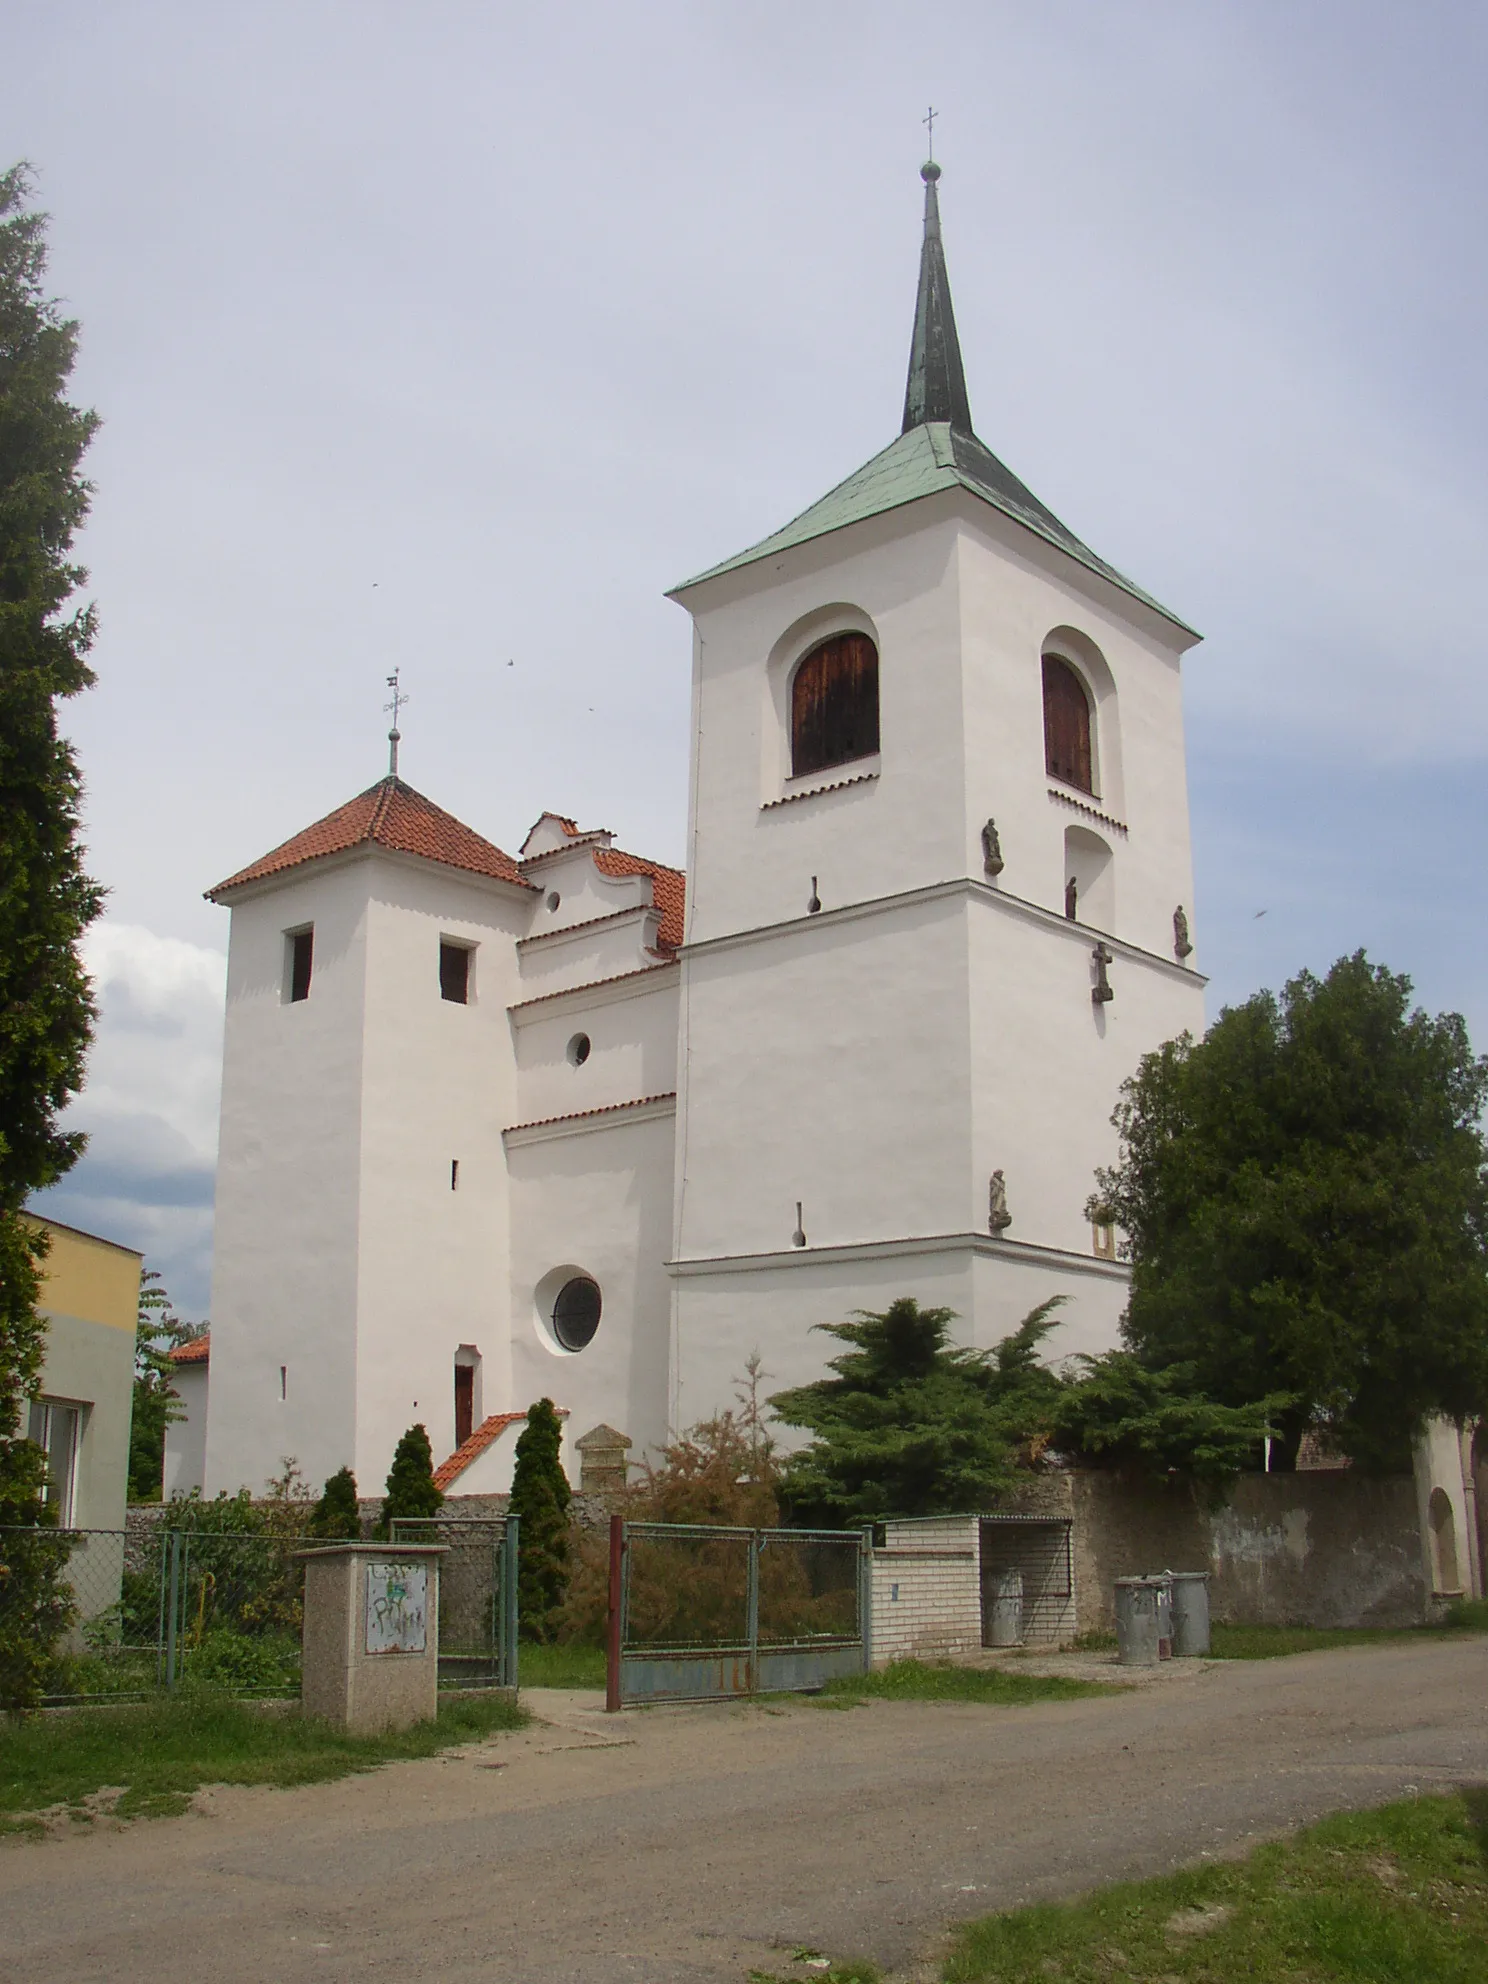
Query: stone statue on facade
point(1182, 948)
point(999, 1219)
point(992, 861)
point(1072, 899)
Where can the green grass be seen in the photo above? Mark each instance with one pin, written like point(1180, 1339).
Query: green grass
point(919, 1681)
point(163, 1752)
point(1271, 1642)
point(1396, 1896)
point(561, 1666)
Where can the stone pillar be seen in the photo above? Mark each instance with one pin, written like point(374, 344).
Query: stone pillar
point(371, 1640)
point(601, 1454)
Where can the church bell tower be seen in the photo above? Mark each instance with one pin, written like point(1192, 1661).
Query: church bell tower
point(939, 901)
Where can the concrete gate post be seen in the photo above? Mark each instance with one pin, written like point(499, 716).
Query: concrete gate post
point(370, 1659)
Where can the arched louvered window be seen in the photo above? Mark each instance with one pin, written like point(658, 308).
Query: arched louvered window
point(1066, 725)
point(834, 705)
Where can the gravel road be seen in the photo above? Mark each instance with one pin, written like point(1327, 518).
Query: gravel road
point(683, 1846)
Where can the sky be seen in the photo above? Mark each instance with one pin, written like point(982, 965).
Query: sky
point(449, 337)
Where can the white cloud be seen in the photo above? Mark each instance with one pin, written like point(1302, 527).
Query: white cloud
point(149, 1104)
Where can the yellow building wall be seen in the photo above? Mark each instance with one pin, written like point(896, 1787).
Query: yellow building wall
point(92, 1279)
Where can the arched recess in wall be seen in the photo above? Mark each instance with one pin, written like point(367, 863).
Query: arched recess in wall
point(822, 710)
point(1089, 879)
point(1075, 654)
point(1443, 1520)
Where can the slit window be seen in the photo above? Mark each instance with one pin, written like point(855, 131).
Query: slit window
point(834, 705)
point(464, 1403)
point(454, 973)
point(1066, 726)
point(300, 945)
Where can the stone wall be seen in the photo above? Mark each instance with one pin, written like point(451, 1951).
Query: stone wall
point(1313, 1549)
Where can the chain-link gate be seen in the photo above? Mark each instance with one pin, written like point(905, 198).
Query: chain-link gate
point(477, 1595)
point(700, 1612)
point(232, 1608)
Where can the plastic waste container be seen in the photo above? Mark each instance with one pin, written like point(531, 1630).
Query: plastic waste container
point(1136, 1621)
point(1190, 1613)
point(1005, 1608)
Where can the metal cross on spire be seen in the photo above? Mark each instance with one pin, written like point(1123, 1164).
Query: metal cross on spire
point(928, 120)
point(395, 736)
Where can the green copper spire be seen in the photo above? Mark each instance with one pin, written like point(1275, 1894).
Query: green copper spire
point(936, 389)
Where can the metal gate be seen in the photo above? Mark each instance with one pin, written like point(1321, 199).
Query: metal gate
point(477, 1595)
point(700, 1612)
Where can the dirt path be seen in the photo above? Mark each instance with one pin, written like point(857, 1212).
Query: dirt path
point(682, 1846)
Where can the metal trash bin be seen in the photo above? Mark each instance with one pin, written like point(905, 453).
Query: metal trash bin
point(1190, 1613)
point(1004, 1620)
point(1136, 1621)
point(1164, 1582)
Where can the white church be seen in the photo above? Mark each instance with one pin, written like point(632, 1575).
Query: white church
point(568, 1122)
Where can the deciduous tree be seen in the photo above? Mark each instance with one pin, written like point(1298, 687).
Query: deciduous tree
point(1305, 1203)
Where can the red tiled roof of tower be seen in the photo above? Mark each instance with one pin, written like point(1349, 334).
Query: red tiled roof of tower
point(198, 1351)
point(668, 889)
point(391, 815)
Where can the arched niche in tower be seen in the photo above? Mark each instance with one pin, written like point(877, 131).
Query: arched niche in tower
point(1080, 669)
point(1089, 879)
point(822, 682)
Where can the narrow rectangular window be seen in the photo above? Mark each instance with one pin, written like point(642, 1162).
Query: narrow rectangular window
point(454, 1174)
point(454, 973)
point(301, 958)
point(55, 1428)
point(284, 1381)
point(464, 1402)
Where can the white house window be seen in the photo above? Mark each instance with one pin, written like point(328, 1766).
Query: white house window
point(56, 1428)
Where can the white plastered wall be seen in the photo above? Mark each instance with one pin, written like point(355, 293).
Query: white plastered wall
point(439, 1086)
point(186, 1437)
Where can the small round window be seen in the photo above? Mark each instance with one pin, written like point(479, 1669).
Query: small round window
point(554, 898)
point(576, 1312)
point(578, 1049)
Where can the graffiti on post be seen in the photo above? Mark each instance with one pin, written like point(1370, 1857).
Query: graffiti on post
point(397, 1608)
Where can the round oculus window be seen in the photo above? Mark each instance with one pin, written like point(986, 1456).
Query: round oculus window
point(576, 1312)
point(578, 1049)
point(553, 899)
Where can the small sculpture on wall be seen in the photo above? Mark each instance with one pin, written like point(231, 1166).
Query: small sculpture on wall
point(798, 1238)
point(992, 861)
point(1072, 898)
point(1182, 947)
point(999, 1219)
point(1101, 992)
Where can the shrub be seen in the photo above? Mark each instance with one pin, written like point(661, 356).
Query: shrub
point(540, 1496)
point(336, 1514)
point(410, 1484)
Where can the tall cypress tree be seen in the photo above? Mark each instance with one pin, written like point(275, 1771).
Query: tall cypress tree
point(540, 1496)
point(46, 899)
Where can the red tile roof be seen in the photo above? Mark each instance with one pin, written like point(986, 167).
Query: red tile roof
point(489, 1429)
point(668, 889)
point(606, 1109)
point(392, 815)
point(195, 1352)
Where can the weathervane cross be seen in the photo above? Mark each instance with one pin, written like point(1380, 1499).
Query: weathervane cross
point(395, 736)
point(928, 120)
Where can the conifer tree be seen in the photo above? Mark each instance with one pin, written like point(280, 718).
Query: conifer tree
point(540, 1496)
point(410, 1484)
point(336, 1515)
point(46, 899)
